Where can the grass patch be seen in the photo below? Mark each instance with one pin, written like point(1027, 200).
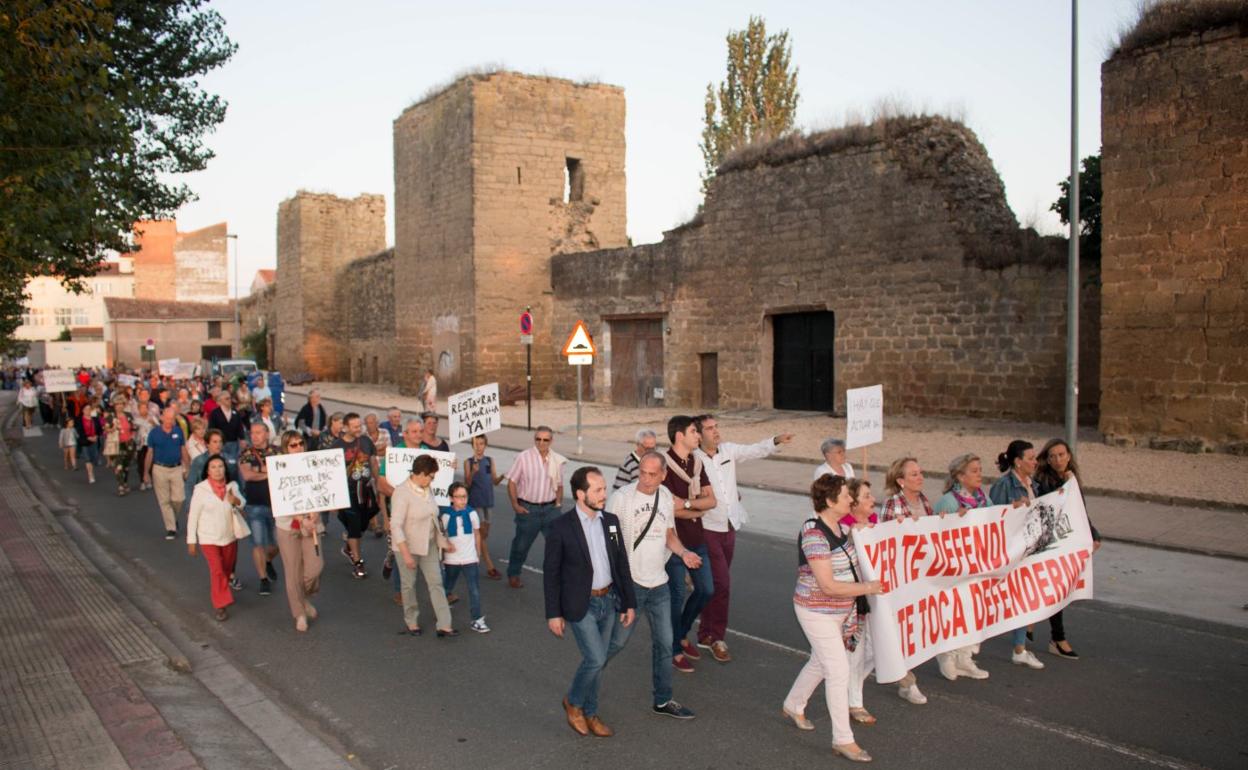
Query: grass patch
point(1162, 20)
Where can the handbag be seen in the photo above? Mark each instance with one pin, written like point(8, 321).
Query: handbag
point(241, 528)
point(112, 445)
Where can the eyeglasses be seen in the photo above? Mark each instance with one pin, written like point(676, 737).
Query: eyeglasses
point(294, 443)
point(542, 440)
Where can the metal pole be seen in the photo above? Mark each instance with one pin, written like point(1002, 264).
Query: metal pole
point(578, 410)
point(1072, 275)
point(528, 378)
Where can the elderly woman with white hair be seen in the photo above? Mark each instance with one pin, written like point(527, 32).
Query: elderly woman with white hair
point(645, 441)
point(964, 491)
point(834, 462)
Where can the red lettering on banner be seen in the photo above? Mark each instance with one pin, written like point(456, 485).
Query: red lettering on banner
point(959, 614)
point(979, 542)
point(938, 562)
point(996, 545)
point(1016, 594)
point(1054, 568)
point(1030, 594)
point(1070, 569)
point(907, 557)
point(945, 617)
point(873, 557)
point(1083, 560)
point(978, 611)
point(1042, 583)
point(906, 624)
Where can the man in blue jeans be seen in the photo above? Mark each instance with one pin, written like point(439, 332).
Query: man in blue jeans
point(692, 497)
point(535, 486)
point(258, 508)
point(647, 522)
point(589, 588)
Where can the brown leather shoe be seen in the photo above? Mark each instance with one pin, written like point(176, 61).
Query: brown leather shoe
point(576, 718)
point(514, 582)
point(599, 729)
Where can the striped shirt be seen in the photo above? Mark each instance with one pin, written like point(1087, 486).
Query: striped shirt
point(627, 473)
point(807, 594)
point(532, 476)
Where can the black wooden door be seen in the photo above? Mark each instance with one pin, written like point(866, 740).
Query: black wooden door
point(804, 361)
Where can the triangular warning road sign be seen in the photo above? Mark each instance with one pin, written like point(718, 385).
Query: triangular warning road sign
point(579, 342)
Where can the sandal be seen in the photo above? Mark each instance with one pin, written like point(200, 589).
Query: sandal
point(862, 716)
point(221, 614)
point(409, 632)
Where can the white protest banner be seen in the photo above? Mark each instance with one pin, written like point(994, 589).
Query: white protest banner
point(59, 381)
point(308, 482)
point(167, 367)
point(127, 380)
point(184, 371)
point(955, 581)
point(474, 412)
point(399, 467)
point(864, 416)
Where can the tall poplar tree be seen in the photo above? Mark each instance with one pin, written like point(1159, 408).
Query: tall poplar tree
point(756, 101)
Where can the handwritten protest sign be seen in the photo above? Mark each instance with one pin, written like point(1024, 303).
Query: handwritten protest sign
point(127, 380)
point(474, 412)
point(308, 482)
point(184, 371)
point(399, 467)
point(167, 367)
point(953, 581)
point(864, 410)
point(59, 381)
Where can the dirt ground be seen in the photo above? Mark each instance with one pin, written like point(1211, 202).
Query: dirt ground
point(1216, 478)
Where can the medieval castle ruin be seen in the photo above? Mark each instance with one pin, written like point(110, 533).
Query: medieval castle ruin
point(870, 254)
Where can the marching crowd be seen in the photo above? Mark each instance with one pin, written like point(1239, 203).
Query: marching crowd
point(659, 543)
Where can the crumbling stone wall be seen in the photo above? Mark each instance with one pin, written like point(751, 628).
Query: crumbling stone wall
point(317, 236)
point(1174, 344)
point(365, 294)
point(480, 209)
point(901, 229)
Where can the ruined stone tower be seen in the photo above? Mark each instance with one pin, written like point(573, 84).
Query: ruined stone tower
point(493, 175)
point(317, 236)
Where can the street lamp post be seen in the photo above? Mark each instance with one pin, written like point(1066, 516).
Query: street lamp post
point(238, 325)
point(1072, 275)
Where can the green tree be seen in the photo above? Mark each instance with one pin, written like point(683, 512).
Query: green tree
point(756, 101)
point(1089, 207)
point(257, 344)
point(99, 104)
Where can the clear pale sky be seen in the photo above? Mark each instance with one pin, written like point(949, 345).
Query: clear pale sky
point(315, 86)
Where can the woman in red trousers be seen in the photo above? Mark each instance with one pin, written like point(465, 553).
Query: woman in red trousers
point(212, 526)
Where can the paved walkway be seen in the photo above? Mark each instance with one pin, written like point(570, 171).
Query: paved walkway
point(67, 698)
point(1165, 518)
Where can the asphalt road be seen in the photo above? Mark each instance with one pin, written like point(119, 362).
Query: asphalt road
point(1151, 688)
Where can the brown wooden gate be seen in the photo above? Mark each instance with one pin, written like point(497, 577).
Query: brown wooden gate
point(636, 361)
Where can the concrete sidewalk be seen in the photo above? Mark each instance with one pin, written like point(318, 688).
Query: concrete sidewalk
point(1166, 520)
point(86, 680)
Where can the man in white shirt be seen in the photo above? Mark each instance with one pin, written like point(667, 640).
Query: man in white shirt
point(647, 522)
point(720, 524)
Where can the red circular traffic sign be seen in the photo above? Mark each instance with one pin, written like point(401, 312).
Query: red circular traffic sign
point(526, 323)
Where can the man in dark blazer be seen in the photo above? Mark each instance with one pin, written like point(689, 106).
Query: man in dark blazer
point(588, 588)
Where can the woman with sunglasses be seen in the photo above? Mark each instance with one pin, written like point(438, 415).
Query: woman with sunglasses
point(299, 542)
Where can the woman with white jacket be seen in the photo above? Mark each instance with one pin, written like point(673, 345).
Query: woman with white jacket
point(213, 525)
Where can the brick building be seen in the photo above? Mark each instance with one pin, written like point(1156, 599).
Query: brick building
point(187, 267)
point(1174, 133)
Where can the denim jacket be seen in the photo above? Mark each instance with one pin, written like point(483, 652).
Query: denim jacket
point(1008, 488)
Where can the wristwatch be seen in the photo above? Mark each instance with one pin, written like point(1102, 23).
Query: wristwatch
point(688, 505)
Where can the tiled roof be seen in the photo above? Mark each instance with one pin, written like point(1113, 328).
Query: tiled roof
point(123, 309)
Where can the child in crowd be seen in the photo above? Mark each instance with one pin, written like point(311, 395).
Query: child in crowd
point(481, 478)
point(833, 451)
point(68, 441)
point(463, 528)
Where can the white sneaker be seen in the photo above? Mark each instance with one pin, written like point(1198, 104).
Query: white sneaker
point(1025, 658)
point(948, 662)
point(966, 667)
point(912, 695)
point(479, 626)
